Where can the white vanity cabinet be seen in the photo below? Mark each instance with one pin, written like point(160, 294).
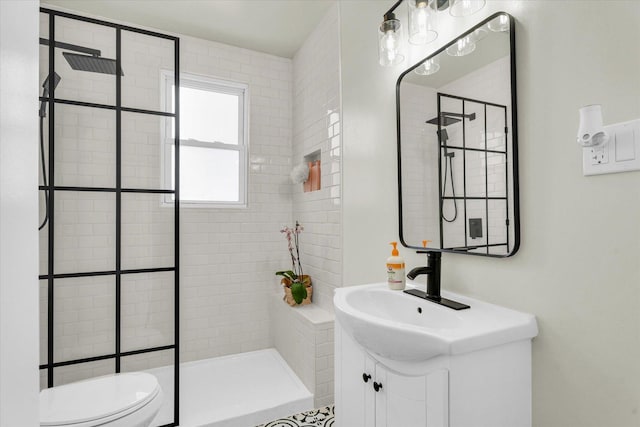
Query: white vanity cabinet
point(485, 388)
point(369, 394)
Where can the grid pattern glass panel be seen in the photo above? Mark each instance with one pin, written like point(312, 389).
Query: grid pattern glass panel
point(92, 211)
point(84, 239)
point(148, 238)
point(147, 310)
point(84, 317)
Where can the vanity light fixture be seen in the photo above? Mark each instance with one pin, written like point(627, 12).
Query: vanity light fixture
point(428, 67)
point(422, 27)
point(422, 17)
point(389, 41)
point(467, 44)
point(465, 7)
point(500, 24)
point(463, 46)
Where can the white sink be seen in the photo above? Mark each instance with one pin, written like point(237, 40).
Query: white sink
point(402, 327)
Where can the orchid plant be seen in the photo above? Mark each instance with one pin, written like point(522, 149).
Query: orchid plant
point(295, 275)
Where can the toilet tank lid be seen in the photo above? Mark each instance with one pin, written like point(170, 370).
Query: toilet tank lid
point(96, 398)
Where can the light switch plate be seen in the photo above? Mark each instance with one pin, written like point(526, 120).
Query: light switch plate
point(620, 154)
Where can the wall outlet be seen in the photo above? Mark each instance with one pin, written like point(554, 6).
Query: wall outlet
point(599, 155)
point(620, 154)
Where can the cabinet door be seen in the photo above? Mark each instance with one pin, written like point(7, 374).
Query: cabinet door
point(355, 375)
point(411, 401)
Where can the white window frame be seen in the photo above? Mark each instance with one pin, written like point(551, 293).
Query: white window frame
point(197, 81)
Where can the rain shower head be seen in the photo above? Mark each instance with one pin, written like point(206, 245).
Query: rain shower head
point(447, 118)
point(444, 120)
point(93, 64)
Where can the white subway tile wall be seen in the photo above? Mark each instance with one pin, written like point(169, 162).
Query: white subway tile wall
point(85, 146)
point(84, 231)
point(147, 311)
point(316, 126)
point(419, 162)
point(147, 232)
point(157, 359)
point(73, 373)
point(84, 317)
point(304, 338)
point(143, 58)
point(229, 256)
point(142, 151)
point(307, 346)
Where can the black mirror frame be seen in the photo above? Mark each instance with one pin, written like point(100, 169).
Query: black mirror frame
point(514, 141)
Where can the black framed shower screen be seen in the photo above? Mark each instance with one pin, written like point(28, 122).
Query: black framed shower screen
point(485, 151)
point(52, 276)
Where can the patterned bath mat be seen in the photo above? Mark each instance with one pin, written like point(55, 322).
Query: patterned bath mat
point(322, 417)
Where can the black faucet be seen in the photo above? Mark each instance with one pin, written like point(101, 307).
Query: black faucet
point(433, 282)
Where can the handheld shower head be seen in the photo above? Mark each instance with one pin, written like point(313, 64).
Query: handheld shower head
point(443, 136)
point(56, 80)
point(52, 81)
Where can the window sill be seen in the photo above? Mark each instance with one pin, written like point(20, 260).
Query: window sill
point(207, 205)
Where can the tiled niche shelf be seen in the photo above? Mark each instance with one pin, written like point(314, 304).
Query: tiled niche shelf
point(313, 182)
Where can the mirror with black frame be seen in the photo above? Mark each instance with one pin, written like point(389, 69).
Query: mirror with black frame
point(457, 145)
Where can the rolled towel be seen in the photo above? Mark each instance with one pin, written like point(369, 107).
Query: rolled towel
point(300, 173)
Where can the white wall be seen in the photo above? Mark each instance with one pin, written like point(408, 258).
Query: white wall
point(18, 209)
point(304, 338)
point(316, 127)
point(229, 256)
point(577, 269)
point(304, 342)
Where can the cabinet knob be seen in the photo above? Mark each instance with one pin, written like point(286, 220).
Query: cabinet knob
point(366, 377)
point(377, 386)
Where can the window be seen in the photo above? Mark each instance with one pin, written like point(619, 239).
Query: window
point(213, 141)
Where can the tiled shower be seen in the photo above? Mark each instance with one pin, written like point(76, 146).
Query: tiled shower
point(227, 256)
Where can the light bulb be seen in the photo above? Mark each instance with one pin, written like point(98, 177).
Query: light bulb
point(428, 67)
point(463, 46)
point(500, 24)
point(421, 25)
point(465, 7)
point(389, 43)
point(389, 46)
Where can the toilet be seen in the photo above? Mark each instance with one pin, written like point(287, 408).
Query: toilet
point(119, 400)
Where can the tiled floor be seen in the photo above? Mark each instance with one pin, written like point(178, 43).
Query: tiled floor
point(322, 417)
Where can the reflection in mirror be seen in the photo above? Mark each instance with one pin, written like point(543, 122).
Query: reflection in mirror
point(457, 148)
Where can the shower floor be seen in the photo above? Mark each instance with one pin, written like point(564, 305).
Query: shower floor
point(240, 390)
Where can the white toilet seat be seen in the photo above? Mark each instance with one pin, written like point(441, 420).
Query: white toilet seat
point(102, 400)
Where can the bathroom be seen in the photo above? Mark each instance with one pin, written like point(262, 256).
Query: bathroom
point(577, 266)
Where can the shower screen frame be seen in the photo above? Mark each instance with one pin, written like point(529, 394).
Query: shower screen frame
point(486, 151)
point(118, 190)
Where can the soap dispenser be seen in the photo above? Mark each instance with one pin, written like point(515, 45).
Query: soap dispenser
point(395, 269)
